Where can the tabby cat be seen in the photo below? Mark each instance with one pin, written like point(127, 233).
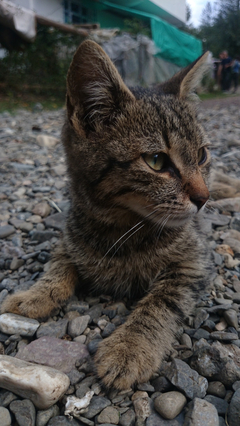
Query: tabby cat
point(138, 165)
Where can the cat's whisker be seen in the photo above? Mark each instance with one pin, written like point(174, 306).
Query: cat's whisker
point(136, 230)
point(164, 224)
point(126, 233)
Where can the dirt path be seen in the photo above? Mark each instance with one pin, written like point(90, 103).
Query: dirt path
point(221, 102)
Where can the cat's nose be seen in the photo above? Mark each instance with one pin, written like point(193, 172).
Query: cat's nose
point(199, 201)
point(197, 190)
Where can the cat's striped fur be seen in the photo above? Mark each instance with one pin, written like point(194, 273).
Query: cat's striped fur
point(131, 230)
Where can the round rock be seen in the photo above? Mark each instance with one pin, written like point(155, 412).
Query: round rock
point(16, 324)
point(109, 415)
point(24, 412)
point(5, 418)
point(170, 404)
point(201, 413)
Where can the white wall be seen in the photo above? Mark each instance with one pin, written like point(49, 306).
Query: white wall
point(52, 9)
point(176, 8)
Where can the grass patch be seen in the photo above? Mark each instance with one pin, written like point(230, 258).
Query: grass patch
point(215, 95)
point(11, 102)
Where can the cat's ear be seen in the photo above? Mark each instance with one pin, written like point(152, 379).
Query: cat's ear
point(96, 92)
point(185, 82)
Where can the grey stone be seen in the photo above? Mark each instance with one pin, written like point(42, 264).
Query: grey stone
point(234, 409)
point(201, 412)
point(56, 221)
point(231, 317)
point(95, 311)
point(43, 416)
point(81, 307)
point(24, 411)
point(223, 336)
point(97, 404)
point(200, 317)
point(218, 362)
point(236, 385)
point(8, 284)
point(6, 397)
point(157, 420)
point(5, 418)
point(161, 384)
point(63, 421)
point(16, 324)
point(109, 415)
point(220, 404)
point(201, 334)
point(53, 352)
point(16, 263)
point(78, 325)
point(217, 389)
point(6, 230)
point(75, 376)
point(170, 404)
point(186, 380)
point(54, 328)
point(21, 224)
point(109, 329)
point(42, 236)
point(128, 418)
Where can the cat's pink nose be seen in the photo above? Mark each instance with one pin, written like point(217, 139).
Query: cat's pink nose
point(197, 191)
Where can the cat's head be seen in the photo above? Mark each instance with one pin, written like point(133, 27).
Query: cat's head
point(134, 151)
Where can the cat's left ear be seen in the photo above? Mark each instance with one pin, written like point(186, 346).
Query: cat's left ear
point(96, 92)
point(184, 84)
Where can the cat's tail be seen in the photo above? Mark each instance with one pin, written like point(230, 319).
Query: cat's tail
point(49, 293)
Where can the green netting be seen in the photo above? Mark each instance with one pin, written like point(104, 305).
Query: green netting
point(175, 45)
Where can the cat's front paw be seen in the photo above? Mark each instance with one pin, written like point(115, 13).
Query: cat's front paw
point(124, 359)
point(28, 304)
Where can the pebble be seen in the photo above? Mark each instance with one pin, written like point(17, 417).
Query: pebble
point(5, 418)
point(16, 324)
point(201, 412)
point(53, 352)
point(97, 404)
point(6, 230)
point(170, 404)
point(217, 389)
point(78, 325)
point(43, 416)
point(109, 415)
point(234, 409)
point(42, 385)
point(24, 412)
point(187, 380)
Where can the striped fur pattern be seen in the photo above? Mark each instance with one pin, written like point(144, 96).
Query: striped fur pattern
point(132, 230)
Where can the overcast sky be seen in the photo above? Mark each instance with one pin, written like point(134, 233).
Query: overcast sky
point(196, 9)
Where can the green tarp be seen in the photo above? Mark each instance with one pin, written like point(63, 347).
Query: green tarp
point(174, 45)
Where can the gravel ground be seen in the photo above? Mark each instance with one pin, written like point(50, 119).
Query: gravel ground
point(199, 384)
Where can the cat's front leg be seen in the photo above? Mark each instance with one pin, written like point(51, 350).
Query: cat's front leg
point(49, 293)
point(136, 349)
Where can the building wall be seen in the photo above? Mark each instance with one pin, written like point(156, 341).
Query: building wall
point(176, 8)
point(52, 9)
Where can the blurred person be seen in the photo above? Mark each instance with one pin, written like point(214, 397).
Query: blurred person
point(224, 70)
point(235, 72)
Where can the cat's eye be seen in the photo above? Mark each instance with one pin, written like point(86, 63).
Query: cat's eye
point(202, 156)
point(155, 161)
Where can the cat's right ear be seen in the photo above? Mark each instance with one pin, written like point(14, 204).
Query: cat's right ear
point(184, 84)
point(96, 92)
